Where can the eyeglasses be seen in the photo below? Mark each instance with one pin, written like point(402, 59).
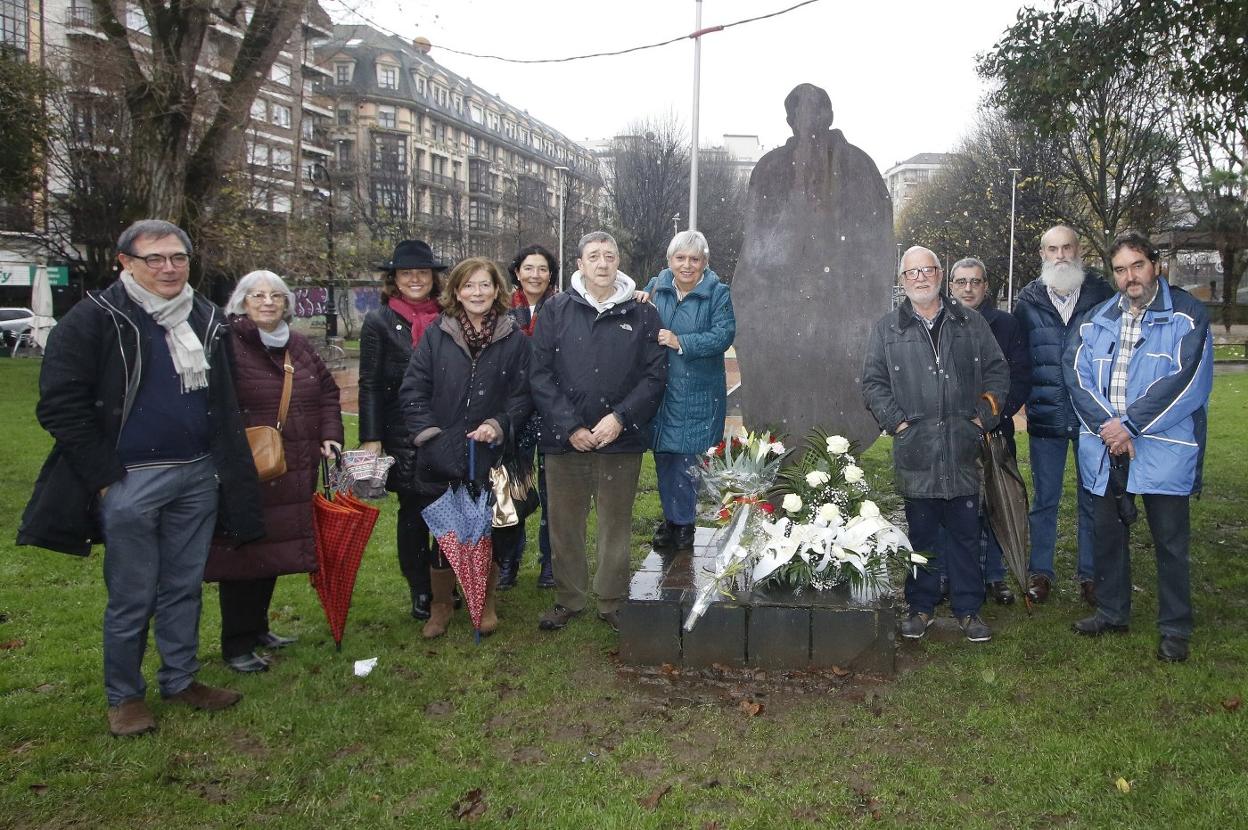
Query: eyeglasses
point(156, 261)
point(927, 271)
point(963, 282)
point(261, 297)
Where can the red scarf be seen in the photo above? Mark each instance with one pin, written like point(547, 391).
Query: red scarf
point(418, 314)
point(519, 300)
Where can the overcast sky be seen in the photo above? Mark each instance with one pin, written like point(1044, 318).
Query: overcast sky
point(901, 73)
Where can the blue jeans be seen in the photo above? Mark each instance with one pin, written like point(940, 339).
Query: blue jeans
point(959, 518)
point(991, 559)
point(157, 525)
point(678, 490)
point(1168, 519)
point(1048, 473)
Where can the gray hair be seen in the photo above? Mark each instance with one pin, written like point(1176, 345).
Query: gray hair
point(915, 249)
point(689, 240)
point(969, 262)
point(238, 300)
point(592, 237)
point(152, 229)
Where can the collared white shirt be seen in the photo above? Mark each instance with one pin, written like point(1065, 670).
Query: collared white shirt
point(1065, 305)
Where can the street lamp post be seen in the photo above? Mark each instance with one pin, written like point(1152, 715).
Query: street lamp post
point(693, 144)
point(1009, 301)
point(562, 269)
point(315, 172)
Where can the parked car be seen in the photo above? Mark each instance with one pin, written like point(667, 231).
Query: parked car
point(14, 321)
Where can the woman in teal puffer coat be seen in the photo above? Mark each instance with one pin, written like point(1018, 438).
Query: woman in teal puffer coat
point(698, 327)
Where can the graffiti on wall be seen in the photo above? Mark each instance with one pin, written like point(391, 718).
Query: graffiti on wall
point(366, 299)
point(311, 302)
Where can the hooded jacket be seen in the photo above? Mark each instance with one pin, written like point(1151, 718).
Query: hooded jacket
point(91, 372)
point(1169, 379)
point(1049, 412)
point(691, 417)
point(937, 391)
point(589, 362)
point(446, 394)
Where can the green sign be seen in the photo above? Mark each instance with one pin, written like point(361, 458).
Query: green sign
point(17, 275)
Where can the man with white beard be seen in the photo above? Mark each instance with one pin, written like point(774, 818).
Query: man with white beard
point(1048, 309)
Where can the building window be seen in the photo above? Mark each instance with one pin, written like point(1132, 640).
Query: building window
point(387, 77)
point(258, 154)
point(459, 104)
point(472, 144)
point(344, 117)
point(343, 73)
point(281, 203)
point(307, 128)
point(389, 154)
point(279, 73)
point(282, 159)
point(420, 86)
point(137, 20)
point(260, 109)
point(387, 117)
point(307, 169)
point(309, 88)
point(346, 152)
point(279, 114)
point(439, 132)
point(474, 112)
point(13, 29)
point(389, 197)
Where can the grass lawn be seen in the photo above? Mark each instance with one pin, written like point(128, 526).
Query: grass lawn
point(532, 729)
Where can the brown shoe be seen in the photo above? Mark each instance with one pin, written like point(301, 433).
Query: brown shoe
point(1087, 590)
point(208, 698)
point(443, 606)
point(130, 718)
point(1038, 587)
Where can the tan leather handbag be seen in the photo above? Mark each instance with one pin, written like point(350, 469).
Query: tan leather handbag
point(267, 449)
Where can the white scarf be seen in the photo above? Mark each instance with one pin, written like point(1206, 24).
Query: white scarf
point(276, 339)
point(189, 360)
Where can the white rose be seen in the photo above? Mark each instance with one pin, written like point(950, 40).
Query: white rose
point(816, 478)
point(830, 513)
point(868, 509)
point(792, 502)
point(918, 558)
point(777, 448)
point(838, 444)
point(744, 434)
point(853, 473)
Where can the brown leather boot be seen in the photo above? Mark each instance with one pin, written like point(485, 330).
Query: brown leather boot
point(440, 610)
point(489, 617)
point(130, 717)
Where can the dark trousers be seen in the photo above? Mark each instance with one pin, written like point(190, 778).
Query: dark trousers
point(1168, 519)
point(416, 554)
point(959, 518)
point(244, 614)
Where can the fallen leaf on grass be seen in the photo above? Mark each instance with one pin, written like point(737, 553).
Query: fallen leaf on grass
point(840, 672)
point(24, 746)
point(9, 645)
point(44, 688)
point(470, 807)
point(1123, 785)
point(1231, 704)
point(751, 708)
point(669, 670)
point(38, 789)
point(651, 802)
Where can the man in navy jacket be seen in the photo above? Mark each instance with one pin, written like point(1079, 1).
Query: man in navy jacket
point(1049, 308)
point(969, 278)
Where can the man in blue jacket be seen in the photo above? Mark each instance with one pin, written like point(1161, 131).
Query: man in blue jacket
point(1140, 369)
point(1049, 309)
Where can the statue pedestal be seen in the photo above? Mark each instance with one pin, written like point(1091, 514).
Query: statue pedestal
point(769, 630)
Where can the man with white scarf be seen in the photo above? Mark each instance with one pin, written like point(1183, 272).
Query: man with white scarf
point(597, 374)
point(150, 456)
point(1049, 309)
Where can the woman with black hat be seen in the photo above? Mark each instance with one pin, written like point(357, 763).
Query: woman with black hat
point(409, 304)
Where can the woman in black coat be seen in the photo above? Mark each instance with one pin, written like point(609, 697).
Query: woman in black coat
point(261, 308)
point(468, 381)
point(410, 288)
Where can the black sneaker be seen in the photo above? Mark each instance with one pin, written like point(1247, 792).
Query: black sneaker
point(916, 625)
point(1000, 592)
point(662, 539)
point(682, 537)
point(1172, 649)
point(556, 618)
point(975, 629)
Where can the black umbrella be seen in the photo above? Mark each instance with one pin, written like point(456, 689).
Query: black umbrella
point(1005, 502)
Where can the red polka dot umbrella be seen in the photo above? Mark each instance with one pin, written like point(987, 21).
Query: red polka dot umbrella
point(460, 519)
point(342, 525)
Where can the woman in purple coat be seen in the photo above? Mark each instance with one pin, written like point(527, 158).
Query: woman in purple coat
point(260, 310)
